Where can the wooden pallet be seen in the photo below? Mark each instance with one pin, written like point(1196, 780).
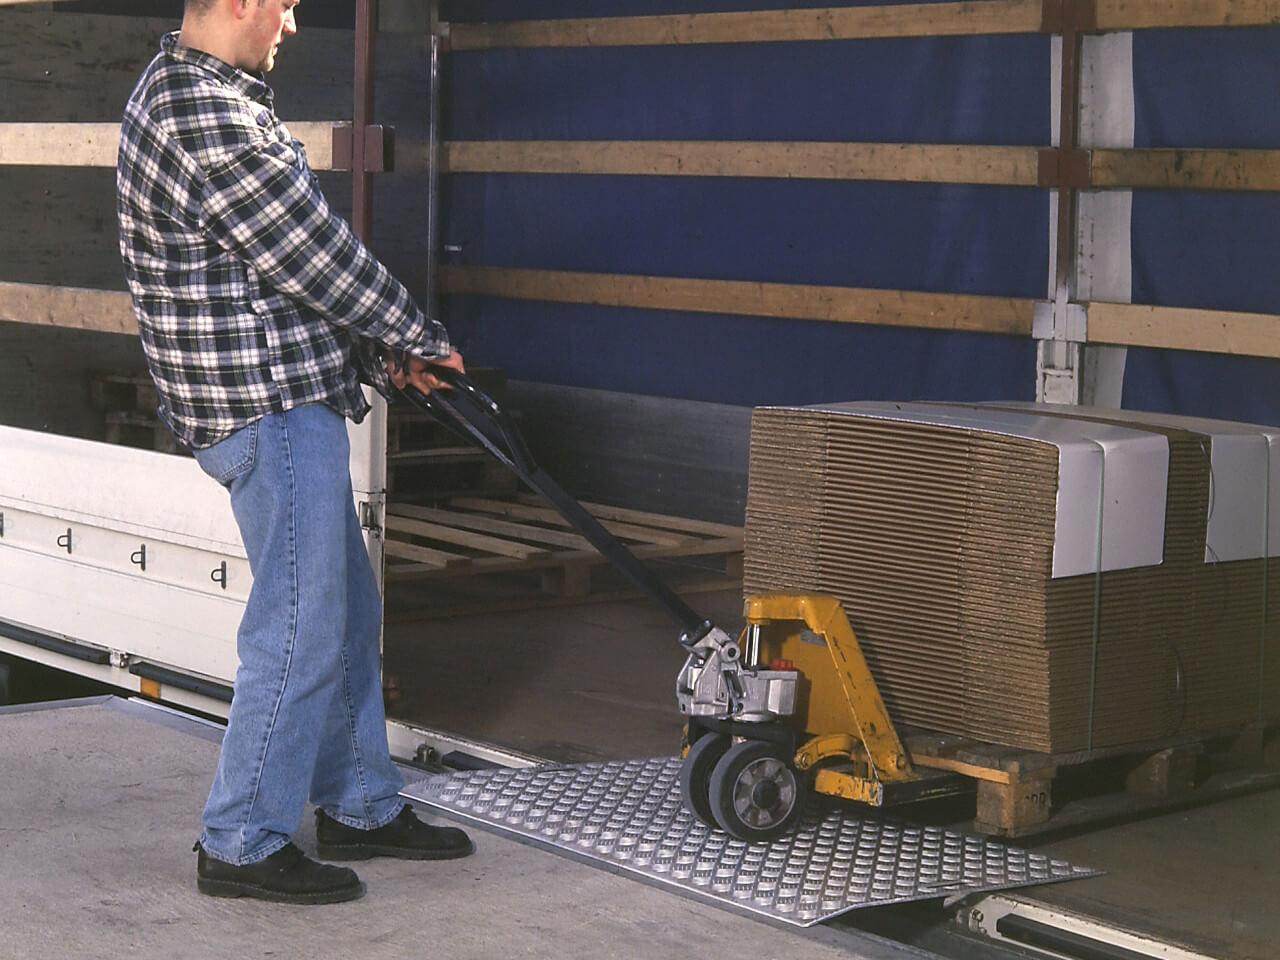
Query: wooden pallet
point(471, 536)
point(1021, 792)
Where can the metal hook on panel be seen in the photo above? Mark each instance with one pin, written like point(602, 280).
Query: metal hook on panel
point(219, 575)
point(139, 557)
point(64, 541)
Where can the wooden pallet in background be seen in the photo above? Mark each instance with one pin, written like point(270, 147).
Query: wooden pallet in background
point(117, 392)
point(475, 536)
point(128, 402)
point(1023, 792)
point(141, 431)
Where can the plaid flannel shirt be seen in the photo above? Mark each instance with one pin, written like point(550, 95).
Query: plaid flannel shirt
point(252, 296)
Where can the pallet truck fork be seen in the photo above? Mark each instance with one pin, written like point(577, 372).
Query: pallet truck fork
point(788, 708)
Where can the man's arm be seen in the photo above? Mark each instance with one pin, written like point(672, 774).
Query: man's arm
point(262, 204)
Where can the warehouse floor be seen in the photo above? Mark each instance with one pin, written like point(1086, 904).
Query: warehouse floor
point(99, 806)
point(596, 682)
point(100, 803)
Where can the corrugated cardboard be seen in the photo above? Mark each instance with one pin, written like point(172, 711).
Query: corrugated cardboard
point(973, 581)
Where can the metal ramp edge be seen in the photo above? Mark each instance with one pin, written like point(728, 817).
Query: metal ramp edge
point(627, 817)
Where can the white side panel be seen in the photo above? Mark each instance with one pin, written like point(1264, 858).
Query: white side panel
point(181, 628)
point(149, 559)
point(369, 447)
point(136, 551)
point(136, 491)
point(369, 475)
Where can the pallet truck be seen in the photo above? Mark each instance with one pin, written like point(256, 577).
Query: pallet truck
point(788, 708)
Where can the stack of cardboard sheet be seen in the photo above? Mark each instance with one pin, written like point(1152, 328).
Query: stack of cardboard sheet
point(1053, 579)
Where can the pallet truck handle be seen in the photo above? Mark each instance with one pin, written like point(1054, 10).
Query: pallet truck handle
point(470, 413)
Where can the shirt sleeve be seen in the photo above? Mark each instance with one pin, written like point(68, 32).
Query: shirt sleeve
point(261, 203)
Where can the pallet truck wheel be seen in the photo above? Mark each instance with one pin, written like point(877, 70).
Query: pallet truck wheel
point(695, 774)
point(755, 794)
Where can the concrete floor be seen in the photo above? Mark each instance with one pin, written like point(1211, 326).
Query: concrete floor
point(99, 807)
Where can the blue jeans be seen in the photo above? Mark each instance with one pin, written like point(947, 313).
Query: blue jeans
point(306, 718)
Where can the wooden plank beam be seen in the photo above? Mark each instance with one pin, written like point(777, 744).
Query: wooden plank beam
point(904, 308)
point(1190, 169)
point(1181, 328)
point(919, 163)
point(762, 26)
point(107, 311)
point(1143, 14)
point(95, 144)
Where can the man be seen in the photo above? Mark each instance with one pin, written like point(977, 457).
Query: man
point(260, 313)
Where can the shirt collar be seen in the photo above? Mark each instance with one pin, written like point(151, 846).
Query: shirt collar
point(254, 87)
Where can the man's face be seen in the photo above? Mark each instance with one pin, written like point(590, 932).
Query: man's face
point(269, 22)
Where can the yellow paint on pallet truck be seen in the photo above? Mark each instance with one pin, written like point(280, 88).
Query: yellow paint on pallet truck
point(839, 705)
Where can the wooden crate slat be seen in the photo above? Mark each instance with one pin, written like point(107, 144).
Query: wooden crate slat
point(645, 518)
point(425, 556)
point(466, 538)
point(650, 551)
point(475, 521)
point(626, 531)
point(437, 453)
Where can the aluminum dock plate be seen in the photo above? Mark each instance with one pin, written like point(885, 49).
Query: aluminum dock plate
point(627, 817)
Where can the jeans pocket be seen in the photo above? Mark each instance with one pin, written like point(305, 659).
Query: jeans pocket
point(231, 457)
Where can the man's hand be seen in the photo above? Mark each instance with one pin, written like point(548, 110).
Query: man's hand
point(417, 372)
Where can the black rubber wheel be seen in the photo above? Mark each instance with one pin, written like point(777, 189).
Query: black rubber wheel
point(755, 794)
point(695, 774)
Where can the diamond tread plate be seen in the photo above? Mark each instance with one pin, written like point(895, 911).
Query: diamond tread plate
point(628, 817)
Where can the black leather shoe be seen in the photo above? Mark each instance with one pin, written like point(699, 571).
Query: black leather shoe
point(287, 876)
point(405, 837)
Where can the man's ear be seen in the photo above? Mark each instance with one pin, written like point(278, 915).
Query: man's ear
point(241, 8)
